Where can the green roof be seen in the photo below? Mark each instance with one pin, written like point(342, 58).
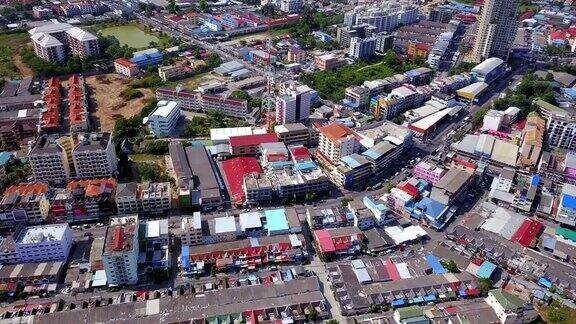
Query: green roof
point(409, 312)
point(566, 233)
point(548, 106)
point(507, 300)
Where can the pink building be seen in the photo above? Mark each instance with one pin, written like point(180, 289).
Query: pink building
point(428, 172)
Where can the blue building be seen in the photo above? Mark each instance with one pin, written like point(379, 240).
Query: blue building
point(213, 24)
point(151, 56)
point(323, 37)
point(432, 212)
point(230, 22)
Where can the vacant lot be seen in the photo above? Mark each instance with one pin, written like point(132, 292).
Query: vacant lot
point(11, 65)
point(197, 80)
point(107, 102)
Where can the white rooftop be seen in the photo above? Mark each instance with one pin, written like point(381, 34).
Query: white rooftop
point(80, 34)
point(250, 220)
point(225, 224)
point(50, 28)
point(224, 134)
point(42, 233)
point(156, 228)
point(45, 40)
point(165, 108)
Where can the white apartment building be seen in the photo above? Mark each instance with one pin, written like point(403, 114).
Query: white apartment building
point(48, 48)
point(127, 198)
point(164, 119)
point(44, 243)
point(336, 141)
point(125, 67)
point(292, 107)
point(191, 230)
point(95, 156)
point(560, 125)
point(82, 43)
point(384, 17)
point(196, 101)
point(120, 257)
point(291, 6)
point(49, 160)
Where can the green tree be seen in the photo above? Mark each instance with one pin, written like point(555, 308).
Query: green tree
point(451, 266)
point(213, 60)
point(173, 7)
point(157, 147)
point(148, 10)
point(484, 285)
point(268, 10)
point(240, 94)
point(203, 5)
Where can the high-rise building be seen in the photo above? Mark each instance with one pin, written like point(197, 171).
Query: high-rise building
point(362, 48)
point(293, 107)
point(385, 17)
point(120, 255)
point(95, 156)
point(336, 141)
point(497, 29)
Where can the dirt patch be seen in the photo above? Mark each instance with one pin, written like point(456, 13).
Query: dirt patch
point(107, 103)
point(25, 71)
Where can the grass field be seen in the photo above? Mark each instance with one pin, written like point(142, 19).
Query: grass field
point(11, 65)
point(140, 158)
point(195, 81)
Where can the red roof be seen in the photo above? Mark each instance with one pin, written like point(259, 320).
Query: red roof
point(411, 189)
point(235, 169)
point(250, 140)
point(559, 34)
point(464, 163)
point(125, 62)
point(392, 270)
point(325, 242)
point(527, 232)
point(528, 14)
point(300, 153)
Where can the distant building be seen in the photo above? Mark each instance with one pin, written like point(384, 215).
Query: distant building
point(149, 198)
point(328, 62)
point(82, 43)
point(560, 126)
point(294, 134)
point(121, 250)
point(54, 41)
point(362, 47)
point(451, 186)
point(95, 156)
point(296, 54)
point(164, 119)
point(126, 67)
point(489, 70)
point(291, 6)
point(441, 14)
point(144, 58)
point(44, 243)
point(293, 107)
point(48, 48)
point(172, 72)
point(497, 30)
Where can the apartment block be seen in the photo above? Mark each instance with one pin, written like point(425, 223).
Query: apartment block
point(48, 48)
point(427, 171)
point(49, 160)
point(150, 198)
point(121, 250)
point(328, 62)
point(125, 67)
point(196, 101)
point(293, 134)
point(164, 119)
point(560, 126)
point(172, 72)
point(95, 156)
point(44, 243)
point(293, 107)
point(84, 200)
point(336, 141)
point(82, 43)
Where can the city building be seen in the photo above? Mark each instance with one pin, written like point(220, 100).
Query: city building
point(560, 126)
point(49, 159)
point(147, 57)
point(489, 70)
point(149, 198)
point(164, 119)
point(196, 101)
point(291, 6)
point(44, 243)
point(250, 144)
point(451, 186)
point(154, 251)
point(126, 67)
point(121, 250)
point(328, 62)
point(78, 105)
point(82, 43)
point(293, 107)
point(191, 227)
point(94, 156)
point(496, 30)
point(84, 200)
point(172, 72)
point(206, 182)
point(296, 54)
point(336, 141)
point(25, 203)
point(510, 308)
point(295, 134)
point(567, 208)
point(441, 14)
point(362, 47)
point(386, 16)
point(48, 48)
point(428, 172)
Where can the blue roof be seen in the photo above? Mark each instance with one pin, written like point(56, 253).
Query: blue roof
point(5, 157)
point(280, 164)
point(545, 282)
point(548, 242)
point(535, 180)
point(369, 203)
point(350, 161)
point(372, 154)
point(433, 208)
point(437, 267)
point(417, 300)
point(486, 269)
point(185, 256)
point(429, 298)
point(569, 92)
point(397, 302)
point(568, 201)
point(308, 165)
point(276, 220)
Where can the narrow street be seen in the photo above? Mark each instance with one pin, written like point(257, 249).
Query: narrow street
point(320, 269)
